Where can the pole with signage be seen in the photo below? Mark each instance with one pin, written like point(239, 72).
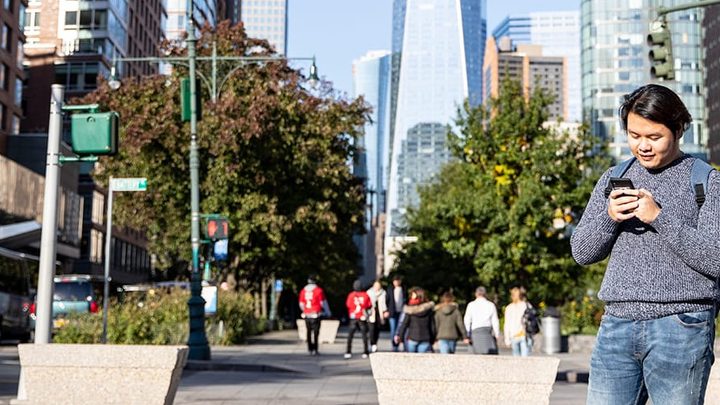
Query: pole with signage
point(122, 184)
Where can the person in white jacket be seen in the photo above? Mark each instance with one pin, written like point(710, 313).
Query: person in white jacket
point(378, 314)
point(482, 323)
point(515, 334)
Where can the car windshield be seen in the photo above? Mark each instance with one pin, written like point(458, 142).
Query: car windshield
point(72, 291)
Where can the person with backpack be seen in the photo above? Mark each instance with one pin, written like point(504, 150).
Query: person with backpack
point(449, 324)
point(660, 227)
point(313, 307)
point(520, 323)
point(358, 305)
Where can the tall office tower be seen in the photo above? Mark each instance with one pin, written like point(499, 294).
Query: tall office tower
point(12, 16)
point(264, 19)
point(206, 11)
point(440, 46)
point(711, 24)
point(558, 32)
point(371, 80)
point(528, 65)
point(614, 63)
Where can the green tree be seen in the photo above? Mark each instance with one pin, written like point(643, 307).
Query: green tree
point(273, 159)
point(502, 212)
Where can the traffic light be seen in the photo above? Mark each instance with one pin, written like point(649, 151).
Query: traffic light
point(661, 59)
point(94, 133)
point(216, 228)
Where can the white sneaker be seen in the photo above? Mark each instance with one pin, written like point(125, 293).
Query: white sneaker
point(348, 355)
point(364, 356)
point(373, 348)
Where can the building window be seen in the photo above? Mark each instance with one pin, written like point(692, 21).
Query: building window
point(3, 113)
point(96, 238)
point(18, 91)
point(77, 76)
point(71, 18)
point(8, 4)
point(98, 206)
point(15, 125)
point(7, 37)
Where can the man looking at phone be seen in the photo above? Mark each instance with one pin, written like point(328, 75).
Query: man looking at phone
point(661, 284)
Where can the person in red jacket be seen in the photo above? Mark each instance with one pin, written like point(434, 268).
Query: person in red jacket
point(358, 305)
point(313, 306)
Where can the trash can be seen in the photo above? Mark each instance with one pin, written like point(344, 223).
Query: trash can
point(551, 331)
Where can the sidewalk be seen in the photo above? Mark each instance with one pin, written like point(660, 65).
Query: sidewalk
point(275, 368)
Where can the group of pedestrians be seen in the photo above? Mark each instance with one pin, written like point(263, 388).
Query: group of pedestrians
point(417, 323)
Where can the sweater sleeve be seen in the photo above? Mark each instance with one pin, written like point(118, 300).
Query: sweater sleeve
point(595, 235)
point(698, 248)
point(459, 325)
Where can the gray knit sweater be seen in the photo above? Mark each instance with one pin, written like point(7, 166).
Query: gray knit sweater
point(667, 267)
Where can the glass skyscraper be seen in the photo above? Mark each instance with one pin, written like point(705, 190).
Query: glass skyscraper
point(371, 80)
point(615, 62)
point(558, 32)
point(438, 49)
point(205, 11)
point(266, 19)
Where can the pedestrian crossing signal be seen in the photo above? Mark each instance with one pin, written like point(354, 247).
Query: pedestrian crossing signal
point(216, 229)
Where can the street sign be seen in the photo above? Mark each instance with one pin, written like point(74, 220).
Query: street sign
point(128, 184)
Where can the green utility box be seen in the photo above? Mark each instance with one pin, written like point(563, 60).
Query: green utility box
point(185, 98)
point(95, 133)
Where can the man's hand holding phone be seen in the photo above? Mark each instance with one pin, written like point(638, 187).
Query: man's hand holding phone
point(625, 202)
point(622, 204)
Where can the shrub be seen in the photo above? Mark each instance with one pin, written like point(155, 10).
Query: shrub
point(582, 317)
point(161, 318)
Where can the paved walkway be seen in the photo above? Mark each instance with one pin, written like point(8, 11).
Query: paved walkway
point(276, 369)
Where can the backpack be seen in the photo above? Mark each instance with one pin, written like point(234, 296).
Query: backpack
point(699, 175)
point(531, 321)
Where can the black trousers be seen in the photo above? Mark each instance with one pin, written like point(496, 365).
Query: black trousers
point(313, 331)
point(374, 332)
point(362, 326)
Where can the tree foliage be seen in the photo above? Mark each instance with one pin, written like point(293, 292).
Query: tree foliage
point(273, 159)
point(501, 213)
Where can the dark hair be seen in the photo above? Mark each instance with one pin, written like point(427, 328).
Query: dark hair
point(658, 104)
point(419, 292)
point(397, 277)
point(448, 297)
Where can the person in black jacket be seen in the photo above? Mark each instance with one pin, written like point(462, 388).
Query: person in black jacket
point(395, 299)
point(419, 322)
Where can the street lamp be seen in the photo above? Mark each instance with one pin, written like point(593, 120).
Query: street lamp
point(197, 341)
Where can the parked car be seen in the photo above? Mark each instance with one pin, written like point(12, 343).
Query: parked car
point(18, 272)
point(71, 294)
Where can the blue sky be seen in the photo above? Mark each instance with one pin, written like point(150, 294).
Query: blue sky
point(339, 31)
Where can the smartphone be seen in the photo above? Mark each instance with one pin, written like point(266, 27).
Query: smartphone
point(621, 183)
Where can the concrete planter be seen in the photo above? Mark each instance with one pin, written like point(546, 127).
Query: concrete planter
point(426, 378)
point(99, 374)
point(328, 330)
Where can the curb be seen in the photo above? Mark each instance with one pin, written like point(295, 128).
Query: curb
point(572, 376)
point(200, 365)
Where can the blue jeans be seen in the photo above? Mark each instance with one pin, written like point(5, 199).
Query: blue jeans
point(393, 328)
point(447, 346)
point(419, 347)
point(667, 359)
point(521, 346)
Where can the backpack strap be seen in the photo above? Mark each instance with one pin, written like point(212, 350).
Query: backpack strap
point(618, 171)
point(699, 176)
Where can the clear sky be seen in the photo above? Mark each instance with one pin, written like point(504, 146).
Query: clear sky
point(340, 31)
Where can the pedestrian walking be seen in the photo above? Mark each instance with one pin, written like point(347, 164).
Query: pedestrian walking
point(482, 323)
point(395, 298)
point(313, 307)
point(449, 324)
point(378, 313)
point(418, 322)
point(358, 305)
point(659, 222)
point(515, 328)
